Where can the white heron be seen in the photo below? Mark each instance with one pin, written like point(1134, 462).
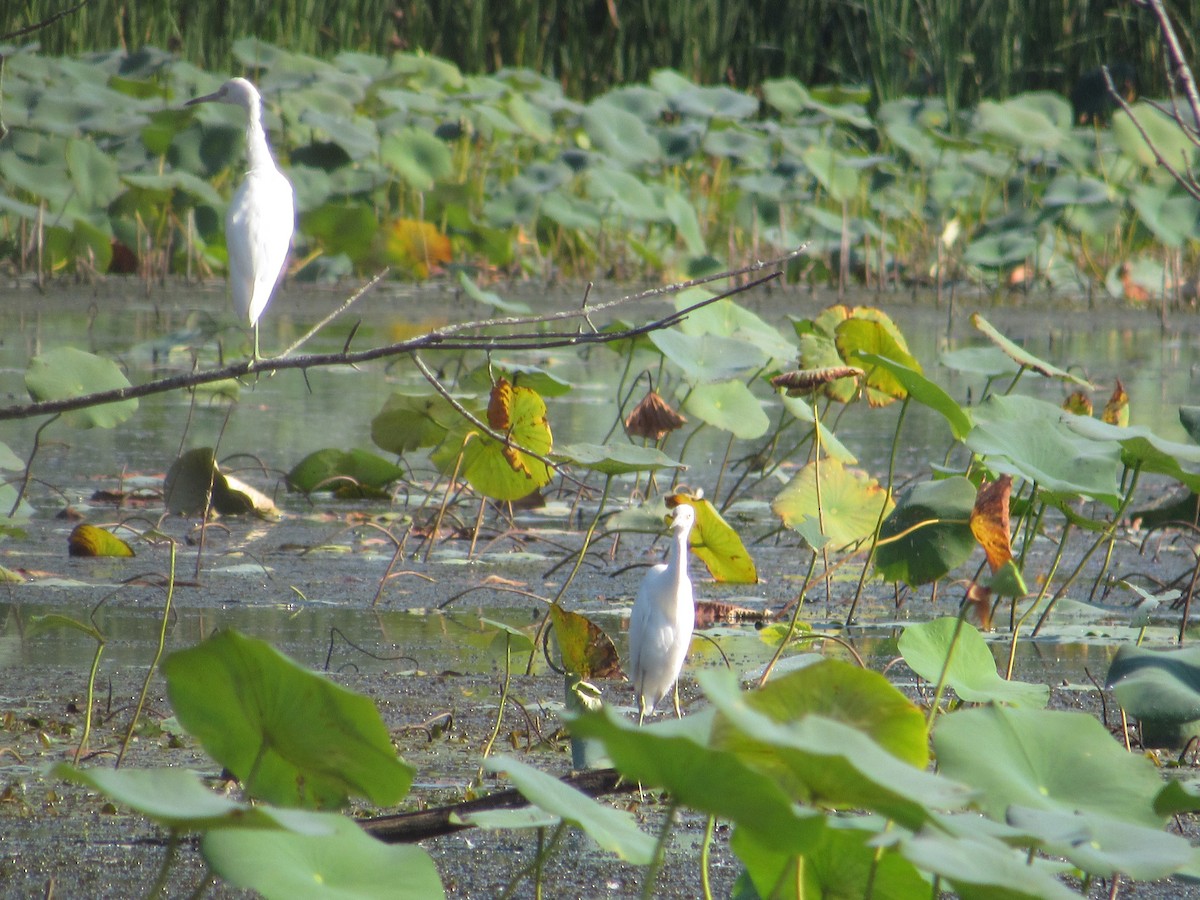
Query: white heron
point(660, 628)
point(261, 216)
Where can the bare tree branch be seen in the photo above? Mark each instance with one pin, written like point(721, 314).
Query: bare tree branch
point(462, 336)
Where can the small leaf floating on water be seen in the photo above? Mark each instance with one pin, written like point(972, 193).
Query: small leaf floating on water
point(801, 382)
point(88, 540)
point(1116, 410)
point(653, 418)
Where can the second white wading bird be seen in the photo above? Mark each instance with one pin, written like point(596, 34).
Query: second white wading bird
point(261, 216)
point(660, 628)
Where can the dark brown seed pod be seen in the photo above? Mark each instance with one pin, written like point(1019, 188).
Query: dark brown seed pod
point(653, 418)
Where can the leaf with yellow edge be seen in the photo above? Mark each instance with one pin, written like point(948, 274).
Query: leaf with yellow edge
point(878, 335)
point(716, 543)
point(497, 469)
point(1116, 410)
point(585, 650)
point(88, 540)
point(417, 247)
point(850, 504)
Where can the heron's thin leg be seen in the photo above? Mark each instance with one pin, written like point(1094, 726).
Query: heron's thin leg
point(678, 712)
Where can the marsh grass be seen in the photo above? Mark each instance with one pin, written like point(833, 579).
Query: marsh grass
point(962, 52)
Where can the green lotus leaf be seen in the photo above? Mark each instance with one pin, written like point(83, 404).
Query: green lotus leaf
point(65, 373)
point(928, 534)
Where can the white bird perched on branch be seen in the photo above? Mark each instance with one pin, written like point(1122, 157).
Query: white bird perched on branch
point(660, 627)
point(261, 216)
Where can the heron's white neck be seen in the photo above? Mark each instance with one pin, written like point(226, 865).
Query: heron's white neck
point(258, 151)
point(678, 559)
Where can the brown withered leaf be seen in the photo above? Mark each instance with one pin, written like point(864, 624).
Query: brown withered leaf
point(989, 521)
point(800, 382)
point(712, 612)
point(653, 418)
point(1079, 403)
point(585, 649)
point(1116, 410)
point(980, 600)
point(499, 405)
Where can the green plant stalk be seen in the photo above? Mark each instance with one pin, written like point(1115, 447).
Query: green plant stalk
point(891, 477)
point(162, 642)
point(660, 852)
point(28, 473)
point(487, 748)
point(1105, 535)
point(172, 850)
point(539, 636)
point(1012, 647)
point(537, 863)
point(812, 565)
point(705, 853)
point(941, 684)
point(91, 694)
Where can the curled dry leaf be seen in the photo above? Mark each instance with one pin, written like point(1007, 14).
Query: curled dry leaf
point(799, 382)
point(980, 600)
point(989, 521)
point(1116, 410)
point(653, 418)
point(1079, 403)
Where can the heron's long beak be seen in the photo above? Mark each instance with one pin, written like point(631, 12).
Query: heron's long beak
point(207, 98)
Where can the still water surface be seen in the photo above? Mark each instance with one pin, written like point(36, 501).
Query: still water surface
point(298, 602)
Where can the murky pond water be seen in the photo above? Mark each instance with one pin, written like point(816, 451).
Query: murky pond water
point(311, 584)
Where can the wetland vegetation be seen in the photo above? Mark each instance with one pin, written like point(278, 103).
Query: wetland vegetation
point(812, 772)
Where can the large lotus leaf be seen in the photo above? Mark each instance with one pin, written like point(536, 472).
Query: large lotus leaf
point(177, 799)
point(1022, 124)
point(819, 351)
point(1165, 136)
point(983, 868)
point(725, 318)
point(843, 863)
point(708, 357)
point(1103, 846)
point(676, 756)
point(291, 736)
point(860, 335)
point(1065, 761)
point(415, 418)
point(852, 695)
point(347, 864)
point(195, 480)
point(719, 546)
point(729, 406)
point(928, 534)
point(1161, 689)
point(498, 469)
point(1170, 216)
point(923, 391)
point(1029, 438)
point(826, 762)
point(623, 195)
point(65, 373)
point(620, 135)
point(1001, 248)
point(682, 214)
point(787, 95)
point(851, 502)
point(615, 459)
point(348, 473)
point(342, 227)
point(94, 174)
point(744, 148)
point(614, 830)
point(1073, 189)
point(830, 169)
point(417, 156)
point(802, 409)
point(704, 102)
point(1189, 418)
point(1023, 357)
point(972, 669)
point(1142, 449)
point(989, 361)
